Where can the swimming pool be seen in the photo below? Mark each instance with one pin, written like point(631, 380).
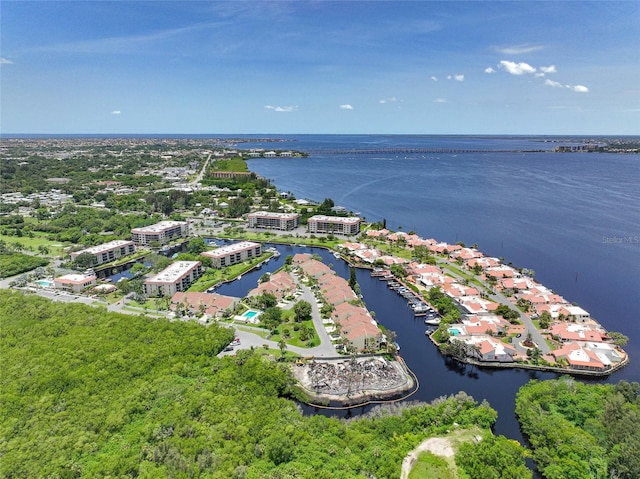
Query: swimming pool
point(249, 314)
point(44, 283)
point(454, 332)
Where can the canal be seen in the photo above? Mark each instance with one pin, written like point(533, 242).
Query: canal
point(438, 376)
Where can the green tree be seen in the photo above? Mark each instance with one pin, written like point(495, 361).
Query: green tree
point(302, 310)
point(495, 457)
point(196, 245)
point(84, 260)
point(283, 346)
point(619, 339)
point(545, 320)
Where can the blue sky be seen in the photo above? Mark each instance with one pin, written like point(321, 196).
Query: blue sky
point(422, 67)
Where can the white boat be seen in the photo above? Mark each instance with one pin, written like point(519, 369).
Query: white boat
point(433, 321)
point(336, 255)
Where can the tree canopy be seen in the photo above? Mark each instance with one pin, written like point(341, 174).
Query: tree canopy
point(582, 430)
point(87, 393)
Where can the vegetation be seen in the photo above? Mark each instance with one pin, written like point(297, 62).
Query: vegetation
point(582, 430)
point(495, 457)
point(13, 263)
point(86, 393)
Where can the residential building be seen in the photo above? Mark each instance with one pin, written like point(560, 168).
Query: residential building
point(74, 283)
point(233, 253)
point(212, 304)
point(280, 284)
point(162, 232)
point(107, 252)
point(334, 224)
point(177, 277)
point(273, 220)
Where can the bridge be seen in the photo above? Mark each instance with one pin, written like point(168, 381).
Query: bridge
point(403, 151)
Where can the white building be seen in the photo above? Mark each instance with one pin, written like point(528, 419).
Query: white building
point(177, 277)
point(334, 224)
point(272, 220)
point(233, 253)
point(162, 232)
point(74, 282)
point(107, 252)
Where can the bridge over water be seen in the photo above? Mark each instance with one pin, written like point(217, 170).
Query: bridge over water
point(403, 151)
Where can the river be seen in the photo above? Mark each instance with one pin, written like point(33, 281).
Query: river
point(574, 218)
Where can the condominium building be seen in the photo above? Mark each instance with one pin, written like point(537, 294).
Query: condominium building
point(162, 232)
point(177, 277)
point(233, 253)
point(272, 220)
point(74, 282)
point(334, 224)
point(107, 252)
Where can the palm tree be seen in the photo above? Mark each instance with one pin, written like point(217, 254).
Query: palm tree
point(283, 346)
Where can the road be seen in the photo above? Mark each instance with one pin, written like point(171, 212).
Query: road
point(536, 335)
point(325, 349)
point(198, 178)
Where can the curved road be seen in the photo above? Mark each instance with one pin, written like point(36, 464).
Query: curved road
point(325, 349)
point(536, 335)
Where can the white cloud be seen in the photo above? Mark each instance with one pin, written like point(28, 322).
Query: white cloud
point(489, 70)
point(576, 88)
point(433, 78)
point(388, 100)
point(579, 88)
point(282, 109)
point(519, 49)
point(4, 61)
point(539, 75)
point(346, 106)
point(517, 68)
point(440, 100)
point(116, 112)
point(458, 77)
point(553, 84)
point(549, 69)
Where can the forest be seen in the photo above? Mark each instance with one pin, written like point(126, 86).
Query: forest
point(581, 430)
point(87, 393)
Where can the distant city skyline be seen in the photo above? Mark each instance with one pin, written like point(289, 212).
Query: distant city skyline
point(268, 67)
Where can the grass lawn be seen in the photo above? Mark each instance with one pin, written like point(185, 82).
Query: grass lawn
point(294, 336)
point(471, 278)
point(32, 244)
point(431, 466)
point(214, 276)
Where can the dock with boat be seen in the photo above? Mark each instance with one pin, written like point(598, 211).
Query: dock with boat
point(417, 304)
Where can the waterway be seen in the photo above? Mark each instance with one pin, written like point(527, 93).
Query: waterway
point(573, 218)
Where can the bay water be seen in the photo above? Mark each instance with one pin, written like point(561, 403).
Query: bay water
point(573, 218)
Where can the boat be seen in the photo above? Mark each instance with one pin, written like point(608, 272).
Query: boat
point(336, 255)
point(433, 321)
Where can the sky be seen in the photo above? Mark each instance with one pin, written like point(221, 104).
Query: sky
point(259, 67)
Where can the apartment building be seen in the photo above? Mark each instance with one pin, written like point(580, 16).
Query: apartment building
point(233, 253)
point(107, 252)
point(162, 232)
point(177, 277)
point(273, 220)
point(334, 224)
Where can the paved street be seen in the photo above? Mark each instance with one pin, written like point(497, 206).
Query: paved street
point(536, 336)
